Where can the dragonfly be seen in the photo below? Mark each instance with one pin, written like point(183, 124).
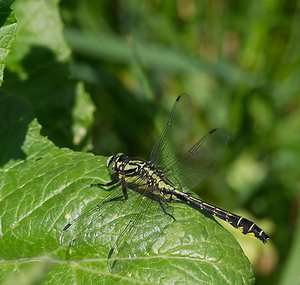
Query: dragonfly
point(174, 169)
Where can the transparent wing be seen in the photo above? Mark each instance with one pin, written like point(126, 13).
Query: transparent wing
point(131, 226)
point(183, 165)
point(193, 165)
point(173, 138)
point(89, 225)
point(143, 228)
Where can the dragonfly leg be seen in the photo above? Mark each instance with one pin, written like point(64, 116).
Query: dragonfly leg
point(124, 191)
point(164, 209)
point(124, 194)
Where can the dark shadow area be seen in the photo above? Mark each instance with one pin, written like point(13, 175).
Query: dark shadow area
point(15, 115)
point(124, 121)
point(5, 11)
point(50, 92)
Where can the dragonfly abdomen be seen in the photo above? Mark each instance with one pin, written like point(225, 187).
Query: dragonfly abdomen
point(244, 225)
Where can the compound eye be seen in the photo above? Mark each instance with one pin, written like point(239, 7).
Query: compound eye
point(122, 157)
point(113, 160)
point(110, 160)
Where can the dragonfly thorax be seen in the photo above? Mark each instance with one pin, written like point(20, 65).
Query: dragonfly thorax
point(139, 174)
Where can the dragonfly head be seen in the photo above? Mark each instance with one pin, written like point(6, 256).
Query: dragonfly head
point(112, 162)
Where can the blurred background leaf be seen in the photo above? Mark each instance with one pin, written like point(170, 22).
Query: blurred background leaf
point(239, 61)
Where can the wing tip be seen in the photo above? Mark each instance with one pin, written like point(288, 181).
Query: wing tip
point(185, 95)
point(212, 131)
point(220, 131)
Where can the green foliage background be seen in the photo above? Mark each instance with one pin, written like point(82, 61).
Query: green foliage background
point(101, 76)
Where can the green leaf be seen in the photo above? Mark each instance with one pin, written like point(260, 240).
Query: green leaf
point(8, 28)
point(48, 186)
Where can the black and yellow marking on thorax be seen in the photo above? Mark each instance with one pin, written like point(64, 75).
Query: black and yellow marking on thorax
point(142, 176)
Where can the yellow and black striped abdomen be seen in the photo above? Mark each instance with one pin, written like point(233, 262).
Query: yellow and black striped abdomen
point(246, 226)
